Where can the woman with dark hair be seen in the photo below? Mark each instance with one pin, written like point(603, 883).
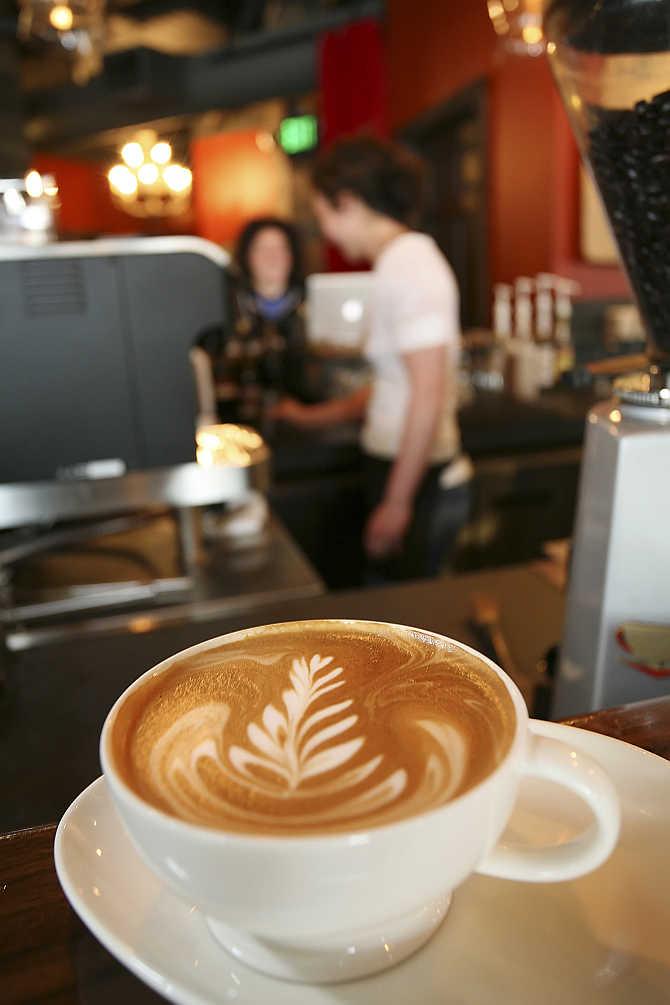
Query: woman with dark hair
point(263, 262)
point(369, 198)
point(242, 370)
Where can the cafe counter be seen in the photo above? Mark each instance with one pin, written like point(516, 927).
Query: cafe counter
point(526, 457)
point(54, 697)
point(53, 700)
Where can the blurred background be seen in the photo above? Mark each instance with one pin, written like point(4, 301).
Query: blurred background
point(148, 494)
point(149, 121)
point(245, 93)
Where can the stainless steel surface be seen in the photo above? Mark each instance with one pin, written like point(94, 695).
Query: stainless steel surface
point(86, 598)
point(231, 580)
point(181, 486)
point(645, 389)
point(68, 535)
point(119, 246)
point(190, 538)
point(620, 560)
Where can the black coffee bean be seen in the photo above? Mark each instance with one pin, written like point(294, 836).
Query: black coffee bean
point(630, 156)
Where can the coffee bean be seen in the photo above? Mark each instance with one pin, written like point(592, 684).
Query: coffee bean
point(630, 156)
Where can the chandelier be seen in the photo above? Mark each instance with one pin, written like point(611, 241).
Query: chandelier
point(519, 25)
point(76, 26)
point(147, 182)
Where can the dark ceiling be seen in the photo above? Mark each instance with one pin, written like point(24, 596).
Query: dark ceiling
point(163, 58)
point(239, 17)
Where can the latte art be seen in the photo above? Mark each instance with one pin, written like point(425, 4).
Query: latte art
point(284, 753)
point(285, 749)
point(265, 734)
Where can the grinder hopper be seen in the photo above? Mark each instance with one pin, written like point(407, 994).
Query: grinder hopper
point(611, 60)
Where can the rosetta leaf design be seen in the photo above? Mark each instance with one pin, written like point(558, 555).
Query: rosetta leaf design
point(286, 742)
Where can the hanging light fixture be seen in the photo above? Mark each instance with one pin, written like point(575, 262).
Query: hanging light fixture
point(77, 26)
point(518, 23)
point(147, 181)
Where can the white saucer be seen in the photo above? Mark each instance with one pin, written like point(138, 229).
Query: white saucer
point(601, 939)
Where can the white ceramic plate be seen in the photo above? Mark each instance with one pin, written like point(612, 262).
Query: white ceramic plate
point(602, 939)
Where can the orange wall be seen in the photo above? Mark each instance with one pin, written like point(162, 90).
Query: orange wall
point(435, 50)
point(234, 181)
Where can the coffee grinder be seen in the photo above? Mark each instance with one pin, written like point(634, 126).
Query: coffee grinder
point(611, 60)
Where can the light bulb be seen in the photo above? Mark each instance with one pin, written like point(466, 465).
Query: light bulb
point(177, 178)
point(148, 174)
point(161, 152)
point(133, 154)
point(14, 202)
point(61, 17)
point(122, 180)
point(531, 34)
point(34, 186)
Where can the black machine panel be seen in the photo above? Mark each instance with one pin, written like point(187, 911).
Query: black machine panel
point(94, 353)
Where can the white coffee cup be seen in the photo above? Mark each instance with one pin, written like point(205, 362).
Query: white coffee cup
point(342, 906)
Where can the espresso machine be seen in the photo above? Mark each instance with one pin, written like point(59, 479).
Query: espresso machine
point(611, 60)
point(116, 514)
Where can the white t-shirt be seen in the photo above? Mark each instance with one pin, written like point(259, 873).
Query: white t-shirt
point(414, 305)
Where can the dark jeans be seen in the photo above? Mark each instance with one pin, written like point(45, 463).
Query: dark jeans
point(438, 516)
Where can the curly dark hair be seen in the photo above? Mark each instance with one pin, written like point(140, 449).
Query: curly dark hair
point(387, 177)
point(251, 232)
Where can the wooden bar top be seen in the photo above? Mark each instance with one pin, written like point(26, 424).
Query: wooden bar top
point(645, 724)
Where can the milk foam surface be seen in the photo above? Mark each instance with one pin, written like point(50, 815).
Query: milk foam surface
point(315, 727)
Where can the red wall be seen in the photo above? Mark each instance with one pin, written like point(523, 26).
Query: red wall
point(521, 168)
point(353, 81)
point(437, 48)
point(86, 206)
point(353, 95)
point(232, 181)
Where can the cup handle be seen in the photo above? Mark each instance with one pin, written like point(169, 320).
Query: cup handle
point(557, 762)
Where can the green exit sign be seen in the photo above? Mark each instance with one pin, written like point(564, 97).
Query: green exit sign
point(298, 134)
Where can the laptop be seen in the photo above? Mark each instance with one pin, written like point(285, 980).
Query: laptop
point(337, 309)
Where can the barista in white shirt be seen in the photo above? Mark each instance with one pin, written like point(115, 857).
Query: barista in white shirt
point(368, 197)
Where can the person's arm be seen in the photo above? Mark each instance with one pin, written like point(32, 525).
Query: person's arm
point(326, 413)
point(204, 386)
point(389, 521)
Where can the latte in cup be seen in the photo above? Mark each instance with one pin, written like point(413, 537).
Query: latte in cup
point(311, 728)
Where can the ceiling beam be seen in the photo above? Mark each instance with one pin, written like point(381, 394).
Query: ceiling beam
point(140, 85)
point(146, 10)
